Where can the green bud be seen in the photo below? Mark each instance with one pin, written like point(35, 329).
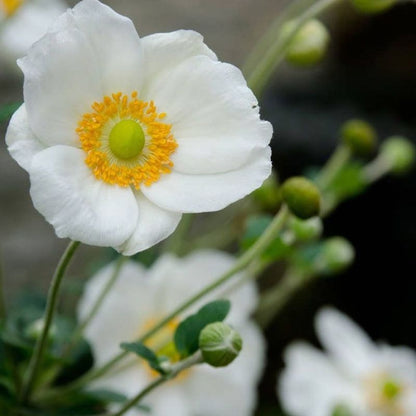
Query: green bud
point(34, 330)
point(337, 254)
point(220, 344)
point(309, 44)
point(302, 197)
point(399, 152)
point(359, 136)
point(268, 195)
point(305, 230)
point(372, 6)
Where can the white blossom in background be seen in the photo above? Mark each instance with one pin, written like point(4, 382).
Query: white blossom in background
point(121, 135)
point(23, 22)
point(354, 374)
point(138, 299)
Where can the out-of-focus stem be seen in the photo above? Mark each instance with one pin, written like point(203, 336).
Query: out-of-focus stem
point(271, 50)
point(32, 370)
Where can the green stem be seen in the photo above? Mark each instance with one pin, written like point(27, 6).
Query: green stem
point(333, 166)
point(95, 308)
point(376, 169)
point(3, 313)
point(176, 369)
point(256, 249)
point(272, 49)
point(32, 370)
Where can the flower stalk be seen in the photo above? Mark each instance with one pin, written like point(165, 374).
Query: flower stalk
point(333, 166)
point(175, 370)
point(33, 368)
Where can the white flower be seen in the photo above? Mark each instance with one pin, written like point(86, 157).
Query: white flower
point(365, 378)
point(22, 22)
point(122, 135)
point(138, 299)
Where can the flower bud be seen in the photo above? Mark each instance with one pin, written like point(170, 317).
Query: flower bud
point(268, 195)
point(34, 330)
point(302, 197)
point(309, 44)
point(372, 6)
point(305, 230)
point(219, 344)
point(399, 152)
point(337, 254)
point(359, 136)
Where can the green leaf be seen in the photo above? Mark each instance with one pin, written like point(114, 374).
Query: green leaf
point(144, 352)
point(187, 334)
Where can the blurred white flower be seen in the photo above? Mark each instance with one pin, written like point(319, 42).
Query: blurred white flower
point(23, 22)
point(122, 135)
point(138, 299)
point(355, 374)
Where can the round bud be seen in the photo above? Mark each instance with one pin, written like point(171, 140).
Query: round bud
point(337, 254)
point(309, 44)
point(268, 195)
point(219, 344)
point(359, 136)
point(305, 230)
point(302, 197)
point(34, 330)
point(372, 6)
point(399, 152)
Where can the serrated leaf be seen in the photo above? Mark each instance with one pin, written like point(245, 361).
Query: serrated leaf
point(187, 334)
point(144, 352)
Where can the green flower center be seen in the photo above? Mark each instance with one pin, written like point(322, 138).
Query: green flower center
point(391, 390)
point(127, 139)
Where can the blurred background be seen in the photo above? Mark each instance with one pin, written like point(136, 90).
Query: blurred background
point(369, 73)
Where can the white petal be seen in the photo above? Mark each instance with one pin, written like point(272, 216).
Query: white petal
point(214, 115)
point(27, 25)
point(78, 205)
point(21, 141)
point(310, 385)
point(116, 45)
point(345, 341)
point(61, 83)
point(153, 225)
point(131, 296)
point(90, 51)
point(163, 51)
point(203, 193)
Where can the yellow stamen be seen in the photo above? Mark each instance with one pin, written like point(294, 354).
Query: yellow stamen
point(144, 166)
point(10, 6)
